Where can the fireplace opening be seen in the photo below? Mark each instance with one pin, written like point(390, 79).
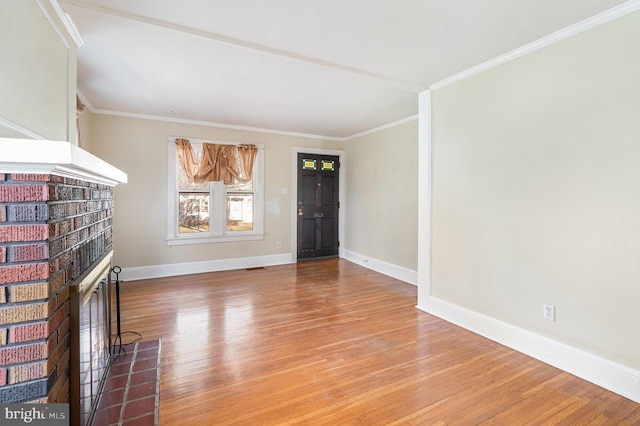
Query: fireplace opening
point(90, 302)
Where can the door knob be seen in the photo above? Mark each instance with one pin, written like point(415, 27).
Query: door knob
point(299, 212)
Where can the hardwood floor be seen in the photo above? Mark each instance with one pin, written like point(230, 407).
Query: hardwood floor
point(329, 342)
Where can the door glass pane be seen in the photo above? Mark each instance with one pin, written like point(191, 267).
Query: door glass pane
point(328, 165)
point(239, 211)
point(193, 212)
point(308, 164)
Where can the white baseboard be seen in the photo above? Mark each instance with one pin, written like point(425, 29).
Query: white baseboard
point(389, 269)
point(158, 271)
point(610, 375)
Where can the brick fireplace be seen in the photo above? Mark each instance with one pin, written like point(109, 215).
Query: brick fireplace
point(55, 222)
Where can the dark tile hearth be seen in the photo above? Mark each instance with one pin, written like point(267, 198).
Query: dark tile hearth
point(131, 394)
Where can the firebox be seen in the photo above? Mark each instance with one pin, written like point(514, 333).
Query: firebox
point(90, 339)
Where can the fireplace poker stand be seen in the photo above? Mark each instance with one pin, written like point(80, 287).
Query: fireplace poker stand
point(116, 270)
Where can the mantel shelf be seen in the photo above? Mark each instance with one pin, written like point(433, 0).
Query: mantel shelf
point(56, 157)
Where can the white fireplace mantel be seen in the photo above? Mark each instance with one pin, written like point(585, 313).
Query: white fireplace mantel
point(56, 157)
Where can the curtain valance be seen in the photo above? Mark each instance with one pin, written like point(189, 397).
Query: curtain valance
point(226, 163)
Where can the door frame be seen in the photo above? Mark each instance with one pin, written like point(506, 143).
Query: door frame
point(294, 195)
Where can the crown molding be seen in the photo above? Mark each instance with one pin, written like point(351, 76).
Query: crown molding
point(63, 25)
point(584, 25)
point(85, 101)
point(66, 20)
point(213, 124)
point(243, 128)
point(383, 127)
point(592, 22)
point(54, 23)
point(15, 127)
point(380, 79)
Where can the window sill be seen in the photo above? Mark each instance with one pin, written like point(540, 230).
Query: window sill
point(182, 241)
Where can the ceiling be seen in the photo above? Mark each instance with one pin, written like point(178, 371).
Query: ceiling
point(331, 68)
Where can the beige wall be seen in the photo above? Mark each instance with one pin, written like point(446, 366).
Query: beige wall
point(536, 191)
point(38, 72)
point(373, 199)
point(139, 148)
point(85, 124)
point(382, 193)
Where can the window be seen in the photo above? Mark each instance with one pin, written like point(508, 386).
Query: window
point(209, 212)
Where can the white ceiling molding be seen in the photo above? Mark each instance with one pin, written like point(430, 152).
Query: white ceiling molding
point(93, 110)
point(344, 69)
point(212, 124)
point(594, 21)
point(66, 20)
point(53, 23)
point(85, 101)
point(384, 80)
point(244, 128)
point(383, 127)
point(68, 30)
point(8, 124)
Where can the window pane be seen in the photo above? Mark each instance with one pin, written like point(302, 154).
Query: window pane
point(241, 186)
point(188, 185)
point(239, 212)
point(193, 212)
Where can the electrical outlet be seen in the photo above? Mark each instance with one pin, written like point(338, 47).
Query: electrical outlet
point(549, 312)
point(278, 244)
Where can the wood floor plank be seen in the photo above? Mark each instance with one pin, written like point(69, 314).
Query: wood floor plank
point(329, 342)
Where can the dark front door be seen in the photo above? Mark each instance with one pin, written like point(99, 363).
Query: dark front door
point(317, 206)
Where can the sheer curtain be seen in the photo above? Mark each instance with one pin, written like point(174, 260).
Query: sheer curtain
point(187, 159)
point(247, 154)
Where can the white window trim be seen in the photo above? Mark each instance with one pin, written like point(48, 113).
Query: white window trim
point(175, 239)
